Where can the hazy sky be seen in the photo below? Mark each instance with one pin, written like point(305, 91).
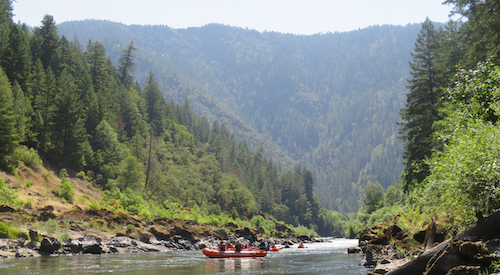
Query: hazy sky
point(286, 16)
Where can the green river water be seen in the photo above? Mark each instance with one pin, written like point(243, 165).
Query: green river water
point(316, 258)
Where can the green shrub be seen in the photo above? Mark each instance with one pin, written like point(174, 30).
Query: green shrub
point(9, 196)
point(30, 157)
point(63, 173)
point(46, 174)
point(67, 190)
point(7, 231)
point(146, 214)
point(130, 227)
point(65, 235)
point(51, 226)
point(28, 184)
point(93, 206)
point(81, 175)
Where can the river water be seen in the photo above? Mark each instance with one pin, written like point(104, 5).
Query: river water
point(316, 258)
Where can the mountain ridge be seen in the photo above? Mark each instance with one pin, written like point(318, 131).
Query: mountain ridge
point(329, 102)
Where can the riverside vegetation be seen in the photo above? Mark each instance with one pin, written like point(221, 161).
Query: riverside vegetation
point(133, 151)
point(450, 218)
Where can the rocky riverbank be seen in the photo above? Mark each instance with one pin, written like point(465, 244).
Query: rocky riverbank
point(102, 231)
point(432, 251)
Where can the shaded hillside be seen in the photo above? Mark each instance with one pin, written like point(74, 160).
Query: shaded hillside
point(328, 102)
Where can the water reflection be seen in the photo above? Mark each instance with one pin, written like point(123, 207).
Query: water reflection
point(213, 265)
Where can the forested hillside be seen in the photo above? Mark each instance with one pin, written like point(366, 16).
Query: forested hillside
point(150, 155)
point(329, 102)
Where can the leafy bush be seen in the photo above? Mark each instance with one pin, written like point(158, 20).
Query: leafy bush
point(267, 225)
point(9, 196)
point(30, 157)
point(93, 206)
point(51, 226)
point(63, 173)
point(7, 231)
point(67, 190)
point(302, 230)
point(65, 235)
point(81, 175)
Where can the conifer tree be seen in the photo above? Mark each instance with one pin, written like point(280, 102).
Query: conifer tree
point(23, 111)
point(68, 131)
point(8, 134)
point(126, 65)
point(45, 107)
point(482, 29)
point(421, 109)
point(155, 104)
point(16, 58)
point(46, 42)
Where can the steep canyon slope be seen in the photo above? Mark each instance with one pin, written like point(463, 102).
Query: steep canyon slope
point(328, 102)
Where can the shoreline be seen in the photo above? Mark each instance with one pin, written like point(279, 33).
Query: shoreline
point(103, 231)
point(95, 244)
point(389, 250)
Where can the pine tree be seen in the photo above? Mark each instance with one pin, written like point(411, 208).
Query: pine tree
point(155, 104)
point(23, 111)
point(46, 42)
point(8, 134)
point(482, 29)
point(68, 131)
point(16, 58)
point(422, 104)
point(127, 65)
point(45, 107)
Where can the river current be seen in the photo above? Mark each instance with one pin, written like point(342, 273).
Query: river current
point(316, 258)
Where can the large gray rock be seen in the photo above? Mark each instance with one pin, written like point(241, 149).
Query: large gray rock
point(49, 245)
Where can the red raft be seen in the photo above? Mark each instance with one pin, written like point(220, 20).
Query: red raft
point(213, 253)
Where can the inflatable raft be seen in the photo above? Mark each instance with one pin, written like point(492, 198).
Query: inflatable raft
point(213, 253)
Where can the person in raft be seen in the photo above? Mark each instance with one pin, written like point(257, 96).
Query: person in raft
point(237, 246)
point(301, 245)
point(222, 247)
point(262, 245)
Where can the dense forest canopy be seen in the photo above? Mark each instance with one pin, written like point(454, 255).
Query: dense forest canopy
point(328, 102)
point(83, 114)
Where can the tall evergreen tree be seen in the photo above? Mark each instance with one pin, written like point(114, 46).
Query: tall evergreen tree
point(45, 106)
point(8, 134)
point(482, 28)
point(126, 65)
point(46, 42)
point(422, 104)
point(155, 104)
point(68, 131)
point(16, 58)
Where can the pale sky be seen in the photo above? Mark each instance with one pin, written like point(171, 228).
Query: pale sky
point(286, 16)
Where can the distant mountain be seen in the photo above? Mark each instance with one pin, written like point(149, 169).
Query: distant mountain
point(329, 102)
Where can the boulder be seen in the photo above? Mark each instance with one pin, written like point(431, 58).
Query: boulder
point(92, 248)
point(160, 232)
point(33, 235)
point(74, 246)
point(49, 245)
point(246, 233)
point(354, 250)
point(137, 234)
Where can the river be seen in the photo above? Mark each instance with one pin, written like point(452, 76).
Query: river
point(316, 258)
